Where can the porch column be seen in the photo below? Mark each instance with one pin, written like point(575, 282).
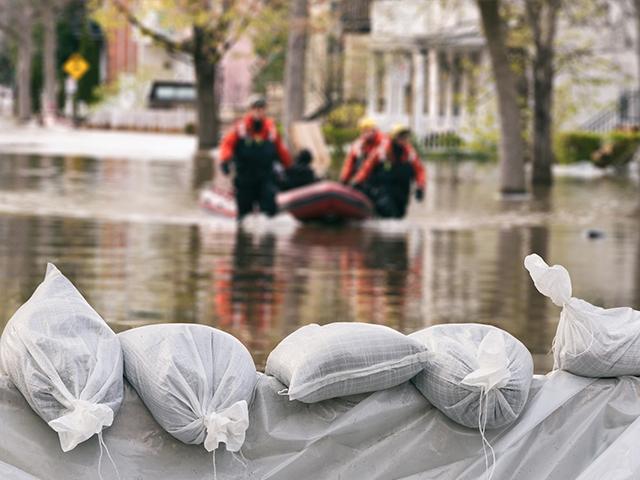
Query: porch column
point(416, 122)
point(434, 74)
point(388, 93)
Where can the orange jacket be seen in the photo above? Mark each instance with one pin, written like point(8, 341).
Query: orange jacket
point(359, 151)
point(384, 152)
point(243, 128)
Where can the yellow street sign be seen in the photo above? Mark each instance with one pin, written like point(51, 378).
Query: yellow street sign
point(76, 66)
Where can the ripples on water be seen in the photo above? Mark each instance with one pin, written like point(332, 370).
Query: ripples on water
point(130, 236)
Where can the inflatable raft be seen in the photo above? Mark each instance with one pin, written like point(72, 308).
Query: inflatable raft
point(320, 202)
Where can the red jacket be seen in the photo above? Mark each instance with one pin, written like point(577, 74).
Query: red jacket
point(382, 153)
point(359, 151)
point(243, 128)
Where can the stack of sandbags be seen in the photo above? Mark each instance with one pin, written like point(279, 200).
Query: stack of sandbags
point(316, 362)
point(590, 341)
point(65, 360)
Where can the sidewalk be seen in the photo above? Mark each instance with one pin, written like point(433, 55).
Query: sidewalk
point(61, 140)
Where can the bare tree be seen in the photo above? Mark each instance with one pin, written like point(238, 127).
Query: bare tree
point(512, 178)
point(295, 64)
point(542, 16)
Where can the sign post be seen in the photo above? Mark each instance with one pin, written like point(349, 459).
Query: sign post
point(75, 67)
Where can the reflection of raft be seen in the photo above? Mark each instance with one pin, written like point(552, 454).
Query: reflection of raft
point(322, 201)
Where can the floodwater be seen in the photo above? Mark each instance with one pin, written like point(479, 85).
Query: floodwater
point(130, 235)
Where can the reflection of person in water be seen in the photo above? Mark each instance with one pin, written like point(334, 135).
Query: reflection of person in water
point(248, 289)
point(376, 277)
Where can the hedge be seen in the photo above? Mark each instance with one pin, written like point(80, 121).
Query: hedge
point(572, 147)
point(610, 149)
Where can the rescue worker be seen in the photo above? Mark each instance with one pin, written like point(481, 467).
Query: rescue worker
point(301, 173)
point(253, 145)
point(370, 138)
point(390, 169)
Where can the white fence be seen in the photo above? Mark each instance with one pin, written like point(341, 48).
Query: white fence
point(144, 119)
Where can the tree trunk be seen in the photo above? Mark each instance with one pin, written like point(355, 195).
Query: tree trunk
point(542, 16)
point(25, 56)
point(511, 144)
point(206, 62)
point(636, 5)
point(295, 64)
point(50, 43)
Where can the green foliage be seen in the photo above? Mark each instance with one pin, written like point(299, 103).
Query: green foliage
point(572, 147)
point(339, 129)
point(341, 125)
point(484, 135)
point(269, 38)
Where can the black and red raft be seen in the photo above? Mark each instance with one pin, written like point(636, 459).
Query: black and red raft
point(324, 201)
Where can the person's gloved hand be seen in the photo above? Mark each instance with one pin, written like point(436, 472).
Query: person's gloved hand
point(226, 168)
point(419, 194)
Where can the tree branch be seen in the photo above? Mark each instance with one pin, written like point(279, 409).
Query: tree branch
point(243, 25)
point(185, 46)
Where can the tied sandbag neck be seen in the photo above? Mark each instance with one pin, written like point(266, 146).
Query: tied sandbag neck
point(554, 282)
point(492, 372)
point(228, 426)
point(84, 420)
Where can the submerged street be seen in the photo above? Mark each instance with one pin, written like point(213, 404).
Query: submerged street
point(130, 235)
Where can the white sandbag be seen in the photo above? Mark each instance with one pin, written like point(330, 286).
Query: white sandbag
point(477, 375)
point(65, 360)
point(339, 359)
point(196, 381)
point(590, 341)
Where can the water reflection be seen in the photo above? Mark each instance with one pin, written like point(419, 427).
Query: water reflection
point(132, 239)
point(268, 287)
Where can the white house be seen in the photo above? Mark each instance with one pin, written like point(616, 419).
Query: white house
point(428, 59)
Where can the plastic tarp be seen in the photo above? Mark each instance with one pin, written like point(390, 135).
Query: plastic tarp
point(572, 427)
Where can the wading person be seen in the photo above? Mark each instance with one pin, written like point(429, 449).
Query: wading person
point(370, 138)
point(253, 146)
point(389, 172)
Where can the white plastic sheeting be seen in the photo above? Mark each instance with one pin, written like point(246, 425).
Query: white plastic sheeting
point(572, 427)
point(477, 375)
point(65, 360)
point(318, 362)
point(590, 341)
